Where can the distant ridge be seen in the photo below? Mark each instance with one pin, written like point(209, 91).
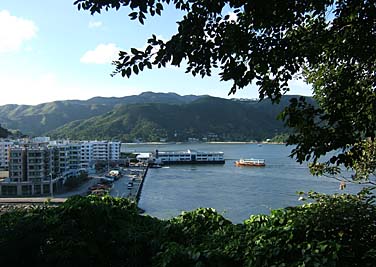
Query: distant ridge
point(146, 97)
point(45, 117)
point(150, 117)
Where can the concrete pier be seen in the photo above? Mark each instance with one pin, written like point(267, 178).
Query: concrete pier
point(130, 185)
point(138, 194)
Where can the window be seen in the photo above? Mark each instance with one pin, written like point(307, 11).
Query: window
point(26, 190)
point(46, 188)
point(37, 189)
point(9, 190)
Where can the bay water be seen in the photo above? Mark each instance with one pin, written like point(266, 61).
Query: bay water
point(235, 192)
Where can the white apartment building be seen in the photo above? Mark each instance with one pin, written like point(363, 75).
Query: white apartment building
point(100, 150)
point(86, 155)
point(40, 139)
point(114, 150)
point(4, 147)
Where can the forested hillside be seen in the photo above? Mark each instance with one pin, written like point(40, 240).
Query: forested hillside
point(42, 118)
point(208, 117)
point(39, 119)
point(3, 132)
point(149, 117)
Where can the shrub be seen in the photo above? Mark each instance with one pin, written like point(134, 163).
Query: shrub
point(336, 230)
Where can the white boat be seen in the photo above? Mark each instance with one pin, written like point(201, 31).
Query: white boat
point(187, 157)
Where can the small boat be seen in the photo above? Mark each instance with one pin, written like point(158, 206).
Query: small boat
point(250, 162)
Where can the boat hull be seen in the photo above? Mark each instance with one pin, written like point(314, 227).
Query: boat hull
point(250, 163)
point(193, 162)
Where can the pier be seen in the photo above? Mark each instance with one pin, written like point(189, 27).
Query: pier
point(131, 183)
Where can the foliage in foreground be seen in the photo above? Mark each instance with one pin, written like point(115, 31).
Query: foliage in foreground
point(337, 230)
point(328, 43)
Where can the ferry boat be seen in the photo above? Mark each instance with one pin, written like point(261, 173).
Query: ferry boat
point(250, 162)
point(187, 157)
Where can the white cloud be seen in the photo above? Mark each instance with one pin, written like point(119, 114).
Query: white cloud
point(102, 54)
point(233, 16)
point(95, 24)
point(28, 89)
point(14, 31)
point(36, 88)
point(300, 87)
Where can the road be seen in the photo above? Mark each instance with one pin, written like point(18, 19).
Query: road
point(120, 189)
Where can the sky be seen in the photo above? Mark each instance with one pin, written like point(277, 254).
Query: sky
point(51, 51)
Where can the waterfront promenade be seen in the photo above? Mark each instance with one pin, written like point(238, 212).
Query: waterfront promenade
point(120, 189)
point(56, 198)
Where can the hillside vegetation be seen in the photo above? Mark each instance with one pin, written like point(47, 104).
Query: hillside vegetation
point(42, 118)
point(207, 117)
point(334, 230)
point(39, 119)
point(149, 117)
point(4, 132)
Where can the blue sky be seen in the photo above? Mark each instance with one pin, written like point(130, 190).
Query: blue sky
point(51, 51)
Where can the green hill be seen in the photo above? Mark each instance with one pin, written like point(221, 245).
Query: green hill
point(39, 119)
point(149, 117)
point(42, 118)
point(207, 117)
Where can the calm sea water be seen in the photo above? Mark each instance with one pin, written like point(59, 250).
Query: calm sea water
point(235, 192)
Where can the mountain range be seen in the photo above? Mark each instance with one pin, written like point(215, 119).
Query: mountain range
point(148, 117)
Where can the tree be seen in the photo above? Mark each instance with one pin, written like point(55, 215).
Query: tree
point(329, 43)
point(337, 230)
point(4, 133)
point(74, 181)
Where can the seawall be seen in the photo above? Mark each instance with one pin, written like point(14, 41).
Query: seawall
point(139, 190)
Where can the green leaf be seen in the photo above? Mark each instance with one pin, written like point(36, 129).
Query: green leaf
point(128, 72)
point(135, 69)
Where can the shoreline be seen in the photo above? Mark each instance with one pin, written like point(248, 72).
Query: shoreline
point(212, 142)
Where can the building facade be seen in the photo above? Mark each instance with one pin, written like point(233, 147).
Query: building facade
point(41, 168)
point(69, 158)
point(4, 150)
point(33, 170)
point(99, 151)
